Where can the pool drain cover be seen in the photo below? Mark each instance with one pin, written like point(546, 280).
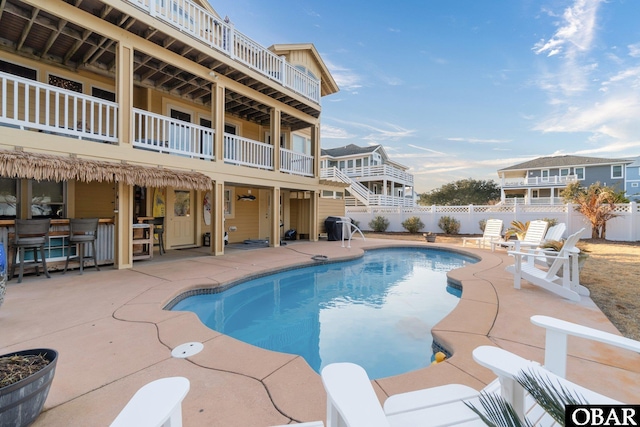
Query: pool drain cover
point(187, 350)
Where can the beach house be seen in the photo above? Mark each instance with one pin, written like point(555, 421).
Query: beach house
point(128, 110)
point(541, 180)
point(372, 178)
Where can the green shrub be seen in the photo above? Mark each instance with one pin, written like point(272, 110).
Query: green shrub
point(379, 223)
point(550, 222)
point(413, 224)
point(449, 225)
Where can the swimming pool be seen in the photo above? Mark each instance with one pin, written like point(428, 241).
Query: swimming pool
point(376, 311)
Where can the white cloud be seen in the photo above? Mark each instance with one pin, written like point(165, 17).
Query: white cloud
point(575, 32)
point(346, 78)
point(332, 132)
point(479, 140)
point(634, 50)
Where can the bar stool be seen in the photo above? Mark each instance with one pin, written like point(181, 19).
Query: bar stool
point(158, 228)
point(29, 234)
point(82, 232)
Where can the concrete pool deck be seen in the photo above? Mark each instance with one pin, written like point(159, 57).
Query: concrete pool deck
point(113, 337)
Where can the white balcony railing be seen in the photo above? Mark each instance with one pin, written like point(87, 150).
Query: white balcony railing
point(538, 181)
point(192, 19)
point(166, 135)
point(358, 190)
point(28, 104)
point(296, 163)
point(380, 172)
point(246, 152)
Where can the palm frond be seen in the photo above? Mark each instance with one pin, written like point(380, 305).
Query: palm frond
point(552, 397)
point(497, 412)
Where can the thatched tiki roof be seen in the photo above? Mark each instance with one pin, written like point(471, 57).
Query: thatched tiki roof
point(22, 164)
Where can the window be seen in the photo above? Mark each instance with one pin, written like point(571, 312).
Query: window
point(283, 139)
point(616, 171)
point(230, 129)
point(306, 71)
point(326, 194)
point(544, 175)
point(182, 203)
point(579, 172)
point(18, 70)
point(47, 199)
point(301, 144)
point(103, 94)
point(564, 171)
point(65, 83)
point(8, 198)
point(228, 202)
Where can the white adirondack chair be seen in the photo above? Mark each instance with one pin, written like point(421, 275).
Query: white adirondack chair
point(352, 402)
point(532, 238)
point(156, 404)
point(492, 233)
point(556, 232)
point(566, 284)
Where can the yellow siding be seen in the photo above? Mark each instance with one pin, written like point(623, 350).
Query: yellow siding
point(304, 58)
point(329, 207)
point(245, 218)
point(94, 199)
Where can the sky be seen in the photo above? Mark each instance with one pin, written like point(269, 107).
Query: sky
point(457, 89)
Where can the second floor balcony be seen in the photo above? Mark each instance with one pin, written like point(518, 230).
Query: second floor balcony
point(210, 30)
point(550, 181)
point(379, 173)
point(35, 106)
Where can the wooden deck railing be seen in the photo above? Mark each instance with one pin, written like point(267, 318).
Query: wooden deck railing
point(202, 25)
point(28, 104)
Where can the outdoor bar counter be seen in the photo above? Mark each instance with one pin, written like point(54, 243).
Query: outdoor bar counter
point(57, 247)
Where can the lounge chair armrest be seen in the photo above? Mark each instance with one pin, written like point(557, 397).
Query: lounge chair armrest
point(538, 252)
point(351, 399)
point(508, 366)
point(556, 340)
point(155, 404)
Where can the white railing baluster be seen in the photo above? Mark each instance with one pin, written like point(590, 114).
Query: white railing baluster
point(51, 109)
point(167, 135)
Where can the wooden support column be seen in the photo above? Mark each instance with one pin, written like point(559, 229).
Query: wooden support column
point(275, 137)
point(315, 149)
point(217, 114)
point(217, 218)
point(275, 217)
point(123, 211)
point(313, 216)
point(124, 92)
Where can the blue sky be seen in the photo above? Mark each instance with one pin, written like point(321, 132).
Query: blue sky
point(461, 88)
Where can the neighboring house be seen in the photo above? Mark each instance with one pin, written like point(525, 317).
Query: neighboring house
point(632, 189)
point(126, 109)
point(372, 178)
point(540, 181)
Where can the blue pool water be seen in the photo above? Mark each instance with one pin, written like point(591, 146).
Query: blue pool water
point(376, 311)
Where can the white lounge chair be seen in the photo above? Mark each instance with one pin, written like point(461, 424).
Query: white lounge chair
point(555, 233)
point(532, 238)
point(352, 402)
point(492, 233)
point(156, 404)
point(562, 277)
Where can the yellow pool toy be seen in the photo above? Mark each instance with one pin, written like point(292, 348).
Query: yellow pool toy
point(439, 357)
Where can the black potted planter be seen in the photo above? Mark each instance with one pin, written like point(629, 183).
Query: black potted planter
point(22, 402)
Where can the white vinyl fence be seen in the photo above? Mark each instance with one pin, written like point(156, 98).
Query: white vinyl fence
point(625, 227)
